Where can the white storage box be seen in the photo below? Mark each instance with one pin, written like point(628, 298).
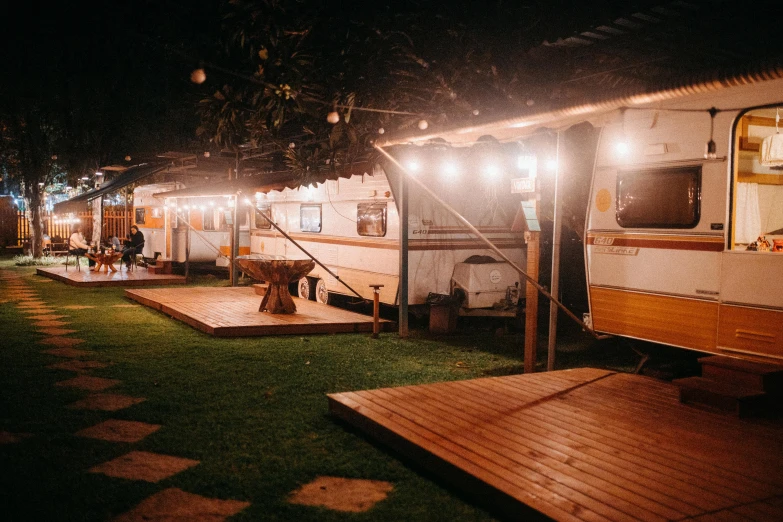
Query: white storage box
point(483, 284)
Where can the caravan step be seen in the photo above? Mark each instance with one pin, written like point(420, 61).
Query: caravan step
point(743, 402)
point(747, 374)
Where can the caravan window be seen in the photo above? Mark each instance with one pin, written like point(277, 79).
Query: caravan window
point(140, 215)
point(659, 198)
point(208, 219)
point(261, 221)
point(371, 219)
point(310, 218)
point(757, 190)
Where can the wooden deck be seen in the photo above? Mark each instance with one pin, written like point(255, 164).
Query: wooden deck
point(580, 444)
point(85, 278)
point(233, 312)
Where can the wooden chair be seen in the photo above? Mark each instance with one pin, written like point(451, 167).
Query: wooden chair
point(135, 252)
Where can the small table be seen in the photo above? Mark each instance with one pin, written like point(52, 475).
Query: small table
point(105, 260)
point(278, 272)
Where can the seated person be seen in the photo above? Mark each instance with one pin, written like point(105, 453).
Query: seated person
point(77, 245)
point(133, 246)
point(115, 243)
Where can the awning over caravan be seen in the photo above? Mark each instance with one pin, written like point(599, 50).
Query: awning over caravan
point(701, 92)
point(130, 175)
point(265, 182)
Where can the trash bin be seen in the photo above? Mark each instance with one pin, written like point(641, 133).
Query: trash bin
point(443, 313)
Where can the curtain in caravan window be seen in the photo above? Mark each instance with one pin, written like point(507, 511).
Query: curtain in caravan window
point(748, 224)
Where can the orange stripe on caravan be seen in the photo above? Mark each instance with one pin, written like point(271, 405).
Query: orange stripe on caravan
point(464, 230)
point(334, 240)
point(413, 244)
point(706, 244)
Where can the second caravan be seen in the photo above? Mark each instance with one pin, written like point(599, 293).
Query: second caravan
point(352, 226)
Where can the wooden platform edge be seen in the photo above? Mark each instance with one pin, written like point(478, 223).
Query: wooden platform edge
point(303, 329)
point(162, 308)
point(470, 487)
point(174, 280)
point(132, 295)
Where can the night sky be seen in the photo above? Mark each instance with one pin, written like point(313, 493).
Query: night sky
point(118, 71)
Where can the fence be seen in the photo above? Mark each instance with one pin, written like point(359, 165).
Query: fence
point(116, 222)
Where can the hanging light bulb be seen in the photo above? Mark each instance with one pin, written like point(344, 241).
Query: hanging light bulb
point(711, 150)
point(127, 158)
point(198, 76)
point(423, 124)
point(381, 130)
point(333, 117)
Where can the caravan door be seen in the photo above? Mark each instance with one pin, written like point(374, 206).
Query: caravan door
point(751, 309)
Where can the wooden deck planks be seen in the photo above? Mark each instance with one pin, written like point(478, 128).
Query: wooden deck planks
point(233, 312)
point(88, 279)
point(585, 443)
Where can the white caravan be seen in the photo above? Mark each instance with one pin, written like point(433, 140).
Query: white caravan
point(687, 250)
point(166, 235)
point(351, 225)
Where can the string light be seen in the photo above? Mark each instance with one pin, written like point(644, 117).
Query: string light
point(198, 76)
point(423, 124)
point(333, 117)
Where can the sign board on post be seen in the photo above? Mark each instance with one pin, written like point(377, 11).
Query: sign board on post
point(523, 185)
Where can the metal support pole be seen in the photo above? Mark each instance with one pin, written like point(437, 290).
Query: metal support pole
point(376, 310)
point(557, 228)
point(480, 236)
point(235, 242)
point(403, 309)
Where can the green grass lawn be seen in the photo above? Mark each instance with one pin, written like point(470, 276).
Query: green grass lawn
point(253, 411)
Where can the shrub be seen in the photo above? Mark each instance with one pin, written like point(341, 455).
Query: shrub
point(27, 260)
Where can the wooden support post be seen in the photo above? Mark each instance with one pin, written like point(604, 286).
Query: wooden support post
point(376, 310)
point(531, 304)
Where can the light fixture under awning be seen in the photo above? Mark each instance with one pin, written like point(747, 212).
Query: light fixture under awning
point(130, 175)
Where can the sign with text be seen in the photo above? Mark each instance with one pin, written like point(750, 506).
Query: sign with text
point(523, 185)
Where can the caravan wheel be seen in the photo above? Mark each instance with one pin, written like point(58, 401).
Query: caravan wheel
point(304, 289)
point(321, 293)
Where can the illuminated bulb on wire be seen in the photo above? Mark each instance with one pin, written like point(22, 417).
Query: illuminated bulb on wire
point(413, 166)
point(492, 171)
point(621, 147)
point(450, 168)
point(381, 130)
point(423, 124)
point(198, 76)
point(333, 117)
point(551, 164)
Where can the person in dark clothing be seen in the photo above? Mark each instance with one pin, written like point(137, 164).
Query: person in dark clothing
point(133, 246)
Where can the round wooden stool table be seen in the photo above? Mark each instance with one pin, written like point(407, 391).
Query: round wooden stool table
point(104, 259)
point(278, 272)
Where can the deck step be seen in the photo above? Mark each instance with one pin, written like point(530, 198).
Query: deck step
point(746, 374)
point(161, 266)
point(729, 398)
